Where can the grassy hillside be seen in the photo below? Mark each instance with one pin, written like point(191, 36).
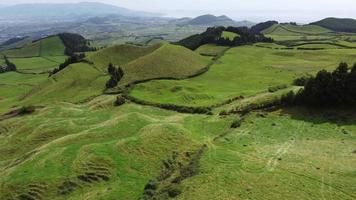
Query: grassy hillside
point(37, 57)
point(143, 63)
point(283, 32)
point(118, 55)
point(14, 85)
point(29, 50)
point(288, 29)
point(338, 24)
point(243, 71)
point(211, 50)
point(75, 83)
point(52, 46)
point(128, 153)
point(78, 143)
point(169, 61)
point(83, 150)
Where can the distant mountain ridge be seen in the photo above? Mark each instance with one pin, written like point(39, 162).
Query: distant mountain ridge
point(67, 11)
point(338, 24)
point(212, 20)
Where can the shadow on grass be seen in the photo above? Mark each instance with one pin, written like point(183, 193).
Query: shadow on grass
point(336, 115)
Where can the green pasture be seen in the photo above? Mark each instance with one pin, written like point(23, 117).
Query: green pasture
point(243, 71)
point(229, 35)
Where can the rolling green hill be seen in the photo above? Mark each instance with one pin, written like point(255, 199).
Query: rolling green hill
point(66, 137)
point(288, 29)
point(118, 55)
point(338, 24)
point(144, 63)
point(168, 61)
point(75, 83)
point(243, 71)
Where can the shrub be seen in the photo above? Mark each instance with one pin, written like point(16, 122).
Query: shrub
point(236, 123)
point(116, 75)
point(120, 100)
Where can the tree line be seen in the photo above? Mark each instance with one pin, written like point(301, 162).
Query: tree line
point(9, 66)
point(213, 36)
point(75, 43)
point(327, 88)
point(116, 74)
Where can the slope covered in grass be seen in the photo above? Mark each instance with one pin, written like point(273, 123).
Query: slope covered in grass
point(211, 50)
point(81, 151)
point(14, 85)
point(288, 29)
point(246, 71)
point(118, 55)
point(52, 46)
point(69, 151)
point(168, 61)
point(29, 50)
point(281, 155)
point(338, 24)
point(75, 83)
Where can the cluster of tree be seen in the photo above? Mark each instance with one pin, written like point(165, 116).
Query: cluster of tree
point(213, 36)
point(246, 36)
point(75, 58)
point(258, 28)
point(9, 66)
point(329, 88)
point(116, 74)
point(75, 43)
point(209, 36)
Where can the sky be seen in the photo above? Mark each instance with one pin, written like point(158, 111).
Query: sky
point(301, 11)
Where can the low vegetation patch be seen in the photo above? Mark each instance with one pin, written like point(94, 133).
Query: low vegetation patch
point(9, 66)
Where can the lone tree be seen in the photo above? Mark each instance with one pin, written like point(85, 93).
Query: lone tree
point(116, 75)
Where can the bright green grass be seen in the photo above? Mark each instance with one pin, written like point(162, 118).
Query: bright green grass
point(278, 29)
point(243, 71)
point(29, 50)
point(321, 46)
point(211, 50)
point(130, 141)
point(38, 64)
point(14, 85)
point(52, 46)
point(75, 83)
point(35, 63)
point(279, 156)
point(299, 153)
point(270, 45)
point(168, 61)
point(229, 35)
point(118, 55)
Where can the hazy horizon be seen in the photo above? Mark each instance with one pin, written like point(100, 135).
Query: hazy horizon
point(302, 11)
